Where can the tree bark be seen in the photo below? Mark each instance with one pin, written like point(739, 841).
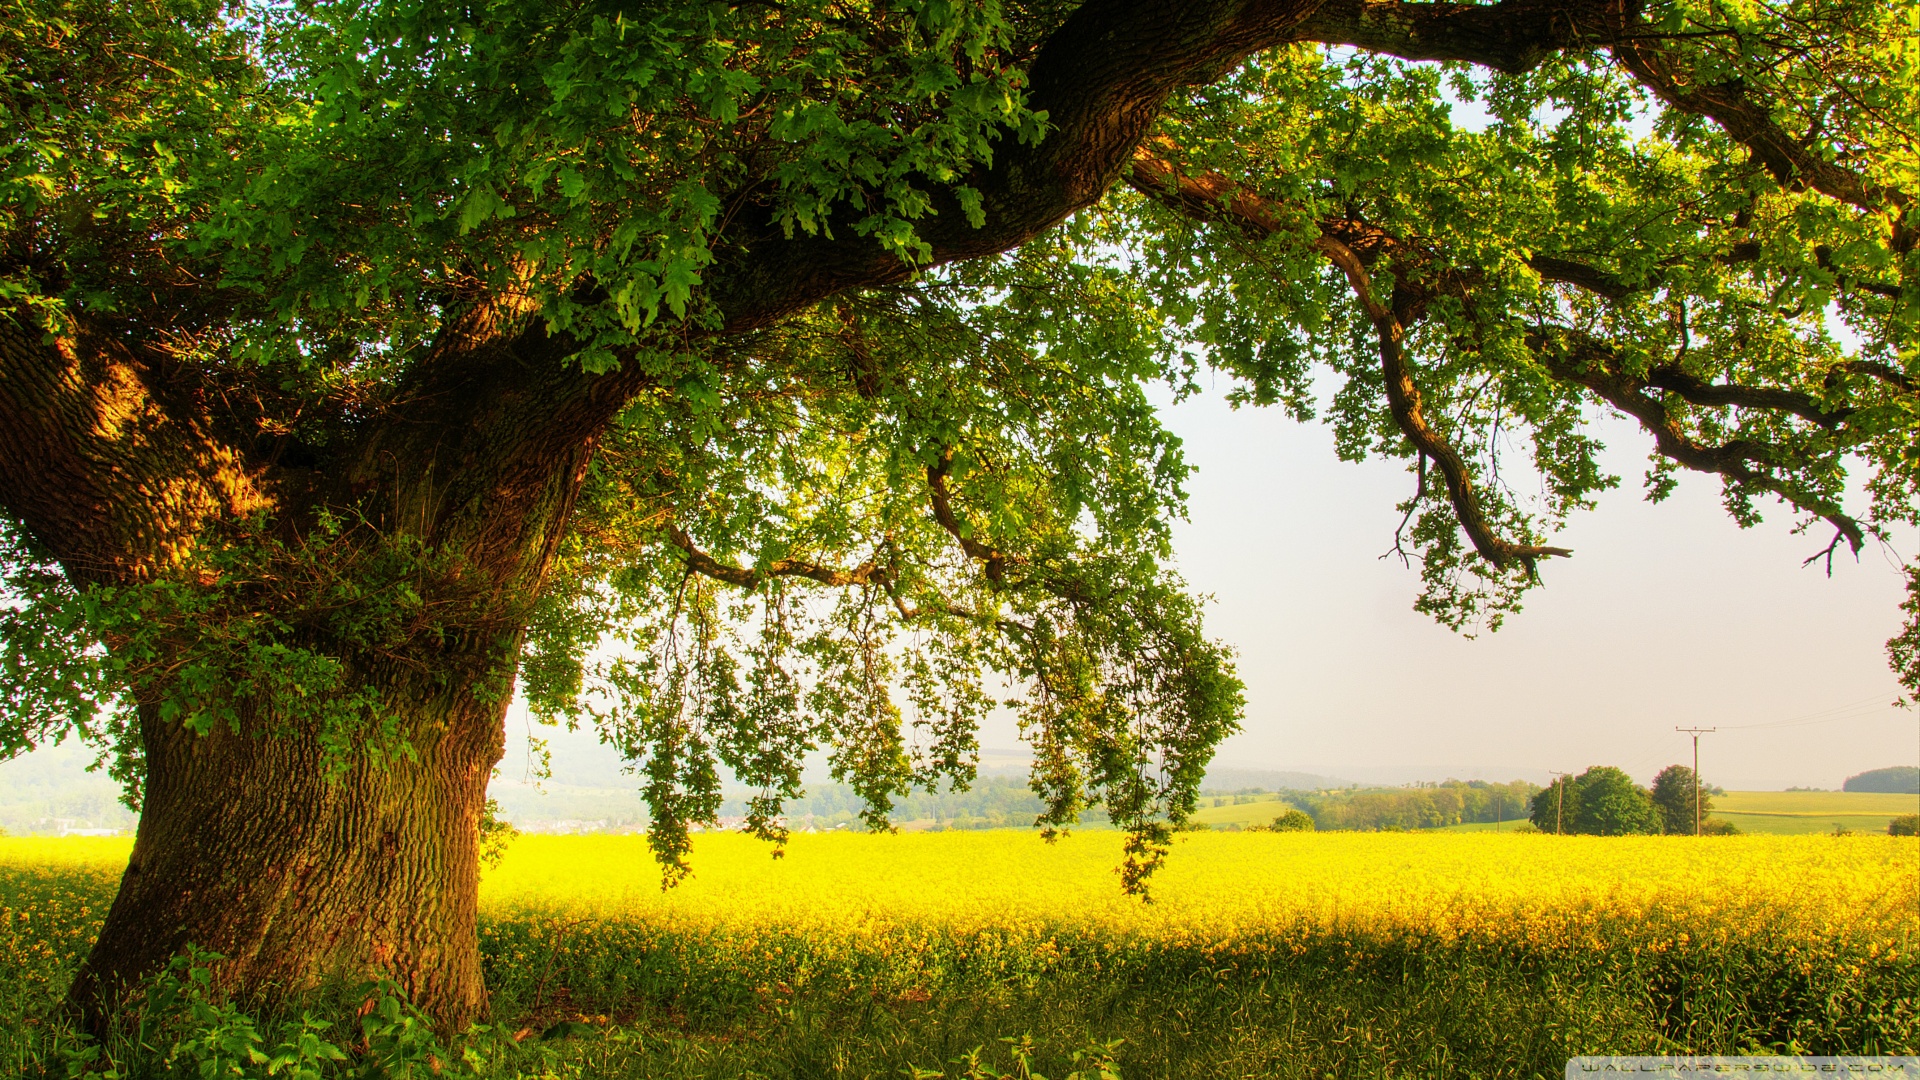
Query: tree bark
point(247, 847)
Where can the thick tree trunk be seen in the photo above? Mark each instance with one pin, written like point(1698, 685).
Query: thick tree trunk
point(248, 848)
point(294, 866)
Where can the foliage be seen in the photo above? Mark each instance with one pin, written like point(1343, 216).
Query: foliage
point(1603, 801)
point(1904, 825)
point(1678, 796)
point(1895, 780)
point(1424, 806)
point(1293, 819)
point(1611, 804)
point(495, 834)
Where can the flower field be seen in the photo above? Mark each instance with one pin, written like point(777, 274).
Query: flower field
point(1260, 954)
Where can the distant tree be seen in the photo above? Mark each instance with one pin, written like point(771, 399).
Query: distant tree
point(1294, 820)
point(1673, 798)
point(1611, 804)
point(1552, 805)
point(1603, 801)
point(1718, 827)
point(1904, 825)
point(1898, 780)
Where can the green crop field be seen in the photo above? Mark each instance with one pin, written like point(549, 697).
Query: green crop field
point(1261, 811)
point(1792, 813)
point(1262, 955)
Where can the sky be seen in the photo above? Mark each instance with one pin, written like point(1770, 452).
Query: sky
point(1666, 615)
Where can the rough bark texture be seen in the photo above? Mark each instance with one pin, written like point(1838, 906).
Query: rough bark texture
point(248, 848)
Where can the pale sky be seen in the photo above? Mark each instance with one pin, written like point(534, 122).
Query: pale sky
point(1665, 615)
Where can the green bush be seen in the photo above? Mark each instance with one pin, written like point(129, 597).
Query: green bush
point(1904, 825)
point(1294, 820)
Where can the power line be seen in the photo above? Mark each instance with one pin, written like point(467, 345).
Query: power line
point(1852, 710)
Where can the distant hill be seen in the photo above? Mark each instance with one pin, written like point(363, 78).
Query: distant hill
point(1898, 780)
point(1228, 781)
point(50, 793)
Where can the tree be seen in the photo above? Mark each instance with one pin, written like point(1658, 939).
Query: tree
point(1293, 819)
point(1610, 804)
point(1603, 801)
point(1552, 804)
point(748, 379)
point(1674, 792)
point(1896, 779)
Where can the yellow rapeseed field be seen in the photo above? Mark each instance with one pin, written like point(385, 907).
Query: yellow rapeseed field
point(1214, 886)
point(1222, 886)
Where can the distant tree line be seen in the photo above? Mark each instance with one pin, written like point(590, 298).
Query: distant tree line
point(1423, 806)
point(1898, 780)
point(991, 802)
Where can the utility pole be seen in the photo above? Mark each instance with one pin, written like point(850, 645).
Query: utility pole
point(1499, 811)
point(1696, 732)
point(1559, 802)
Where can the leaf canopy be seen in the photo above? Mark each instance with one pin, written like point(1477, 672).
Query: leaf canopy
point(868, 301)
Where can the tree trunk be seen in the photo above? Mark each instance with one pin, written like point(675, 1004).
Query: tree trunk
point(248, 849)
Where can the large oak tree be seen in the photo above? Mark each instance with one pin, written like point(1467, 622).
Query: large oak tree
point(753, 378)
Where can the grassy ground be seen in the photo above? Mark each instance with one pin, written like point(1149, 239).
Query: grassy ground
point(1260, 812)
point(1348, 955)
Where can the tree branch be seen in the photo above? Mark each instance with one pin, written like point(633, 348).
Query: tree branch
point(105, 462)
point(1216, 198)
point(1791, 162)
point(1404, 402)
point(1101, 77)
point(702, 563)
point(1580, 358)
point(1512, 36)
point(996, 562)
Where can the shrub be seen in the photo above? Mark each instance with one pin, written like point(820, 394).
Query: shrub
point(1904, 825)
point(1294, 820)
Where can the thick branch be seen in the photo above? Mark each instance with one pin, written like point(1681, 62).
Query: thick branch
point(1580, 275)
point(101, 461)
point(1512, 36)
point(1698, 391)
point(1791, 162)
point(1102, 79)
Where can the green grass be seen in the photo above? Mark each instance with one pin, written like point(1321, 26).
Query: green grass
point(1261, 812)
